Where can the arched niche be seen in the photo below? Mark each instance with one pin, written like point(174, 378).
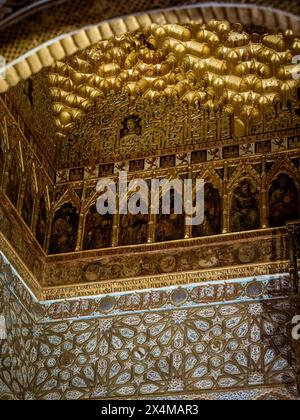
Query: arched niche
point(169, 227)
point(28, 201)
point(64, 230)
point(41, 225)
point(98, 230)
point(283, 200)
point(245, 207)
point(212, 224)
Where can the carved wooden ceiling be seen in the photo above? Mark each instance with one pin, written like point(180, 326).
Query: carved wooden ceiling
point(40, 24)
point(12, 11)
point(215, 66)
point(76, 110)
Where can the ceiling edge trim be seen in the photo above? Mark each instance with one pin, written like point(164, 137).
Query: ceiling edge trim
point(48, 294)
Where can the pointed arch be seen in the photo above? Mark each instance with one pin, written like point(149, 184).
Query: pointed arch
point(13, 182)
point(283, 165)
point(69, 197)
point(244, 199)
point(42, 221)
point(28, 200)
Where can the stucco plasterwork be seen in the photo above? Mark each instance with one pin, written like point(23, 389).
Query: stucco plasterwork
point(221, 350)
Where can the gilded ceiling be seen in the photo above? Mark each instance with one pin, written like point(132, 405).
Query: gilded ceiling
point(213, 66)
point(169, 75)
point(166, 95)
point(63, 26)
point(146, 306)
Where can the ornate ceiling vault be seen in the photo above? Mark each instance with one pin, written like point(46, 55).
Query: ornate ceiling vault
point(174, 80)
point(214, 67)
point(25, 52)
point(147, 306)
point(174, 99)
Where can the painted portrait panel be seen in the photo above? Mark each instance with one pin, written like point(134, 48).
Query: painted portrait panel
point(212, 224)
point(41, 226)
point(283, 201)
point(64, 230)
point(245, 213)
point(170, 227)
point(133, 229)
point(98, 230)
point(131, 126)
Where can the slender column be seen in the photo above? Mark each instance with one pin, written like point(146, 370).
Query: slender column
point(152, 219)
point(49, 229)
point(226, 210)
point(293, 251)
point(79, 244)
point(35, 211)
point(6, 172)
point(21, 197)
point(115, 229)
point(116, 223)
point(264, 195)
point(188, 231)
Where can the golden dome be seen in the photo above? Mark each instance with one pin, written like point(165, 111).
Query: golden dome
point(217, 64)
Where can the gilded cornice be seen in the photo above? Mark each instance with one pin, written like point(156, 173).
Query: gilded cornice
point(46, 293)
point(114, 301)
point(246, 146)
point(161, 281)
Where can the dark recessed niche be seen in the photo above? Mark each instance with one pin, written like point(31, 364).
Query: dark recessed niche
point(106, 170)
point(136, 165)
point(167, 161)
point(76, 174)
point(199, 157)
